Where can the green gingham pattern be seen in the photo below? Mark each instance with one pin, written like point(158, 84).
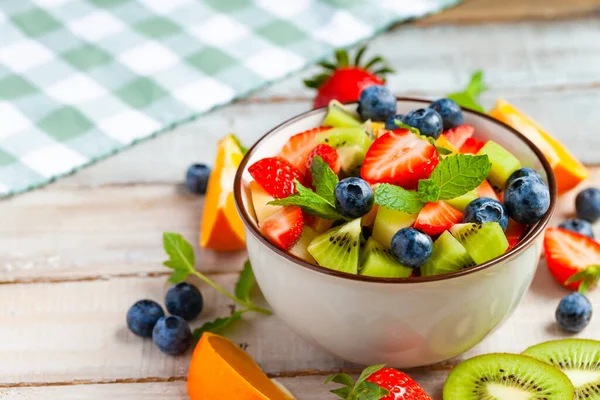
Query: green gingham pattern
point(82, 79)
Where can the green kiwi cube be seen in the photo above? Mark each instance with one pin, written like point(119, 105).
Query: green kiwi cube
point(483, 242)
point(388, 222)
point(351, 144)
point(461, 202)
point(503, 163)
point(338, 117)
point(448, 255)
point(339, 247)
point(377, 261)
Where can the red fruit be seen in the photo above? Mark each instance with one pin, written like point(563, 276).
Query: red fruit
point(514, 232)
point(435, 218)
point(400, 158)
point(459, 135)
point(299, 146)
point(471, 146)
point(486, 190)
point(400, 385)
point(276, 176)
point(284, 228)
point(568, 253)
point(328, 154)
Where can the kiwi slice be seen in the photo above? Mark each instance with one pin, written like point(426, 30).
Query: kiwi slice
point(448, 255)
point(377, 261)
point(503, 164)
point(338, 117)
point(339, 247)
point(300, 249)
point(499, 376)
point(579, 359)
point(461, 202)
point(482, 241)
point(351, 144)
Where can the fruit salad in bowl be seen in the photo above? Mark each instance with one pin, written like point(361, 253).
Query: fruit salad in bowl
point(375, 226)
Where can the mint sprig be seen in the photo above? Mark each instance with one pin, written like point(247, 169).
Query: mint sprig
point(324, 179)
point(397, 198)
point(361, 389)
point(587, 277)
point(469, 97)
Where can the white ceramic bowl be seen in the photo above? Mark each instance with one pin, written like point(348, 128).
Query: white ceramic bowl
point(404, 322)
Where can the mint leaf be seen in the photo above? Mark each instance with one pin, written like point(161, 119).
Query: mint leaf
point(181, 255)
point(245, 283)
point(310, 202)
point(459, 174)
point(468, 98)
point(397, 198)
point(429, 190)
point(324, 179)
point(217, 325)
point(178, 276)
point(476, 86)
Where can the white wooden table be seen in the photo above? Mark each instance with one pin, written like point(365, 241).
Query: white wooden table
point(75, 255)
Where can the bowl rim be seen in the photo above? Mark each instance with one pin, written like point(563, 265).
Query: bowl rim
point(533, 233)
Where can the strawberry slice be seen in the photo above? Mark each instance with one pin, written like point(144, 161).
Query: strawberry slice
point(276, 176)
point(568, 253)
point(400, 385)
point(284, 228)
point(328, 154)
point(471, 146)
point(400, 158)
point(514, 233)
point(486, 190)
point(299, 146)
point(459, 135)
point(435, 218)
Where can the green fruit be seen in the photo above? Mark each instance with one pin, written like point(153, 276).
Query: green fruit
point(351, 144)
point(461, 202)
point(377, 261)
point(482, 241)
point(448, 255)
point(579, 359)
point(339, 247)
point(338, 117)
point(300, 249)
point(501, 376)
point(388, 222)
point(503, 164)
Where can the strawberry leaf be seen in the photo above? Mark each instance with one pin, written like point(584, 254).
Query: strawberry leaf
point(343, 392)
point(367, 372)
point(341, 56)
point(343, 379)
point(587, 278)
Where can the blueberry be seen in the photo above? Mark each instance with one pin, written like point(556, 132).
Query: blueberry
point(184, 300)
point(527, 199)
point(172, 335)
point(451, 113)
point(578, 226)
point(411, 247)
point(142, 317)
point(587, 204)
point(485, 209)
point(521, 173)
point(376, 103)
point(426, 120)
point(390, 123)
point(353, 197)
point(574, 312)
point(196, 178)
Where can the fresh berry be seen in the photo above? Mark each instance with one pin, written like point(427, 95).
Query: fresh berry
point(276, 176)
point(196, 178)
point(437, 217)
point(376, 103)
point(142, 317)
point(514, 233)
point(451, 113)
point(527, 199)
point(587, 204)
point(580, 226)
point(471, 146)
point(568, 253)
point(328, 154)
point(426, 120)
point(345, 80)
point(521, 172)
point(390, 123)
point(485, 209)
point(400, 385)
point(400, 158)
point(299, 146)
point(459, 135)
point(184, 300)
point(486, 190)
point(284, 228)
point(172, 335)
point(411, 247)
point(574, 312)
point(353, 197)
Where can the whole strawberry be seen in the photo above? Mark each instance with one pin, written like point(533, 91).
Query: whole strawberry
point(400, 385)
point(344, 81)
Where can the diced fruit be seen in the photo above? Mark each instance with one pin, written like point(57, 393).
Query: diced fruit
point(196, 178)
point(260, 200)
point(486, 190)
point(483, 242)
point(339, 247)
point(437, 217)
point(514, 233)
point(351, 144)
point(503, 163)
point(580, 226)
point(378, 129)
point(338, 117)
point(378, 261)
point(321, 225)
point(388, 222)
point(353, 197)
point(284, 228)
point(142, 316)
point(300, 249)
point(184, 300)
point(400, 158)
point(399, 385)
point(328, 154)
point(276, 175)
point(587, 204)
point(471, 146)
point(448, 255)
point(458, 136)
point(426, 120)
point(485, 209)
point(574, 313)
point(411, 247)
point(462, 201)
point(376, 103)
point(527, 200)
point(443, 142)
point(298, 147)
point(369, 218)
point(172, 335)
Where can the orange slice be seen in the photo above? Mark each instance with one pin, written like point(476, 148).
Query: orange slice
point(222, 228)
point(569, 172)
point(219, 369)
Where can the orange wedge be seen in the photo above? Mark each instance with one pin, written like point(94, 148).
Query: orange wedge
point(569, 172)
point(219, 369)
point(222, 228)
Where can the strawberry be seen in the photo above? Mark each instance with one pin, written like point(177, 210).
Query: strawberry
point(344, 81)
point(400, 385)
point(572, 259)
point(435, 218)
point(400, 158)
point(514, 233)
point(328, 154)
point(276, 176)
point(284, 228)
point(486, 190)
point(299, 146)
point(471, 146)
point(459, 135)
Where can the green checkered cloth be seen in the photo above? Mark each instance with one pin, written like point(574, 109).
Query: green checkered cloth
point(83, 79)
